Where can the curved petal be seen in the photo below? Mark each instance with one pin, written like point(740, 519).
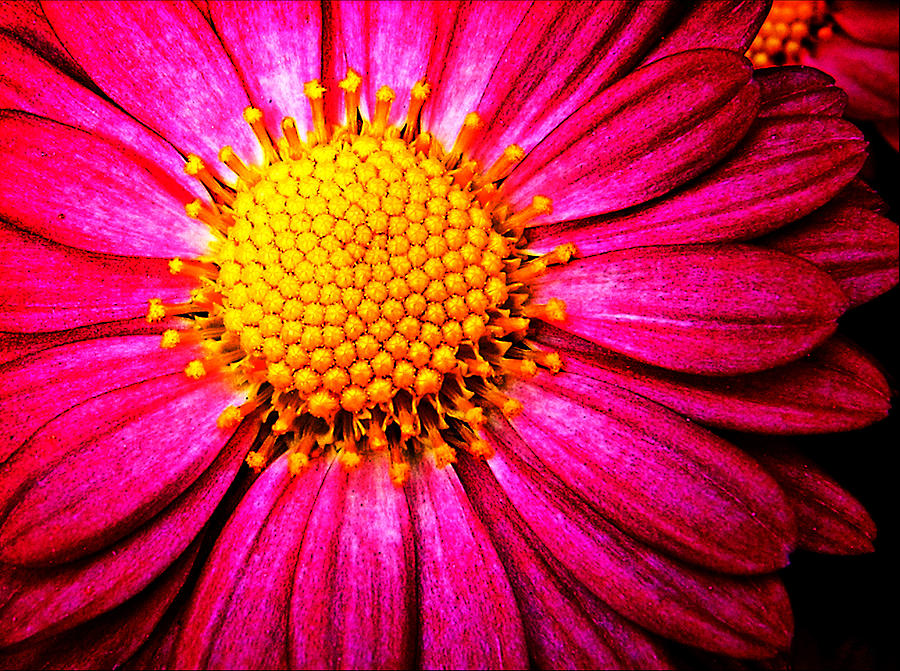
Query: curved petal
point(33, 84)
point(567, 627)
point(738, 617)
point(101, 469)
point(461, 580)
point(49, 600)
point(45, 286)
point(698, 309)
point(836, 387)
point(650, 132)
point(165, 66)
point(71, 187)
point(559, 56)
point(239, 614)
point(353, 599)
point(797, 89)
point(868, 21)
point(783, 169)
point(274, 47)
point(655, 475)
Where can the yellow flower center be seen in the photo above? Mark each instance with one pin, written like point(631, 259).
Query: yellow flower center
point(790, 27)
point(366, 288)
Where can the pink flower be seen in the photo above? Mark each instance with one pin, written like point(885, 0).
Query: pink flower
point(481, 434)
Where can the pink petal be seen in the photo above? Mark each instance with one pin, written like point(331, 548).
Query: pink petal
point(566, 626)
point(697, 309)
point(612, 153)
point(868, 21)
point(274, 47)
point(468, 615)
point(783, 169)
point(828, 517)
point(353, 598)
point(655, 475)
point(798, 90)
point(36, 85)
point(854, 245)
point(164, 65)
point(367, 39)
point(738, 617)
point(121, 204)
point(559, 56)
point(239, 615)
point(712, 23)
point(836, 387)
point(101, 469)
point(45, 286)
point(25, 21)
point(49, 600)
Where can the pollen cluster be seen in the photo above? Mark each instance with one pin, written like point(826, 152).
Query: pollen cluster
point(790, 27)
point(367, 289)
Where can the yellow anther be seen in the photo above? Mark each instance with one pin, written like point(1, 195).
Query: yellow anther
point(554, 310)
point(540, 205)
point(315, 94)
point(383, 100)
point(237, 166)
point(465, 138)
point(193, 165)
point(399, 473)
point(156, 311)
point(170, 338)
point(349, 460)
point(297, 461)
point(256, 461)
point(418, 95)
point(230, 418)
point(195, 369)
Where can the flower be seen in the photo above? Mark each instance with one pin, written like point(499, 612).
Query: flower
point(204, 471)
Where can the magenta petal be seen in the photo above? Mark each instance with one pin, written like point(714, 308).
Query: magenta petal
point(854, 245)
point(738, 617)
point(353, 599)
point(45, 286)
point(239, 615)
point(836, 387)
point(273, 46)
point(798, 90)
point(72, 488)
point(829, 519)
point(783, 169)
point(868, 21)
point(566, 626)
point(461, 580)
point(559, 56)
point(698, 309)
point(610, 154)
point(121, 204)
point(48, 600)
point(655, 475)
point(163, 64)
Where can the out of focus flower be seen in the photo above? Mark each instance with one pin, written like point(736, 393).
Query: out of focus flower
point(437, 378)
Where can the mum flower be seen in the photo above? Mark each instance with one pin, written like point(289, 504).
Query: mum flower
point(395, 335)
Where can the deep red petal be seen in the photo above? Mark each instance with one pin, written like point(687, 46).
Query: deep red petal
point(798, 90)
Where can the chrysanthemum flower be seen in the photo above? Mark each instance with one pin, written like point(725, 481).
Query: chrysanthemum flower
point(434, 372)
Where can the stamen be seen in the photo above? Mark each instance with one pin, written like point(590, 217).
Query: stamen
point(315, 93)
point(539, 205)
point(289, 128)
point(510, 156)
point(351, 87)
point(229, 158)
point(254, 117)
point(219, 221)
point(193, 268)
point(417, 97)
point(467, 135)
point(196, 168)
point(383, 100)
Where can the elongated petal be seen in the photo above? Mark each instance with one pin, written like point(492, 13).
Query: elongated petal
point(45, 286)
point(611, 154)
point(274, 47)
point(240, 610)
point(655, 475)
point(353, 602)
point(26, 23)
point(711, 23)
point(469, 618)
point(829, 518)
point(164, 65)
point(567, 627)
point(716, 309)
point(100, 470)
point(738, 617)
point(49, 600)
point(797, 89)
point(836, 387)
point(559, 56)
point(784, 169)
point(854, 245)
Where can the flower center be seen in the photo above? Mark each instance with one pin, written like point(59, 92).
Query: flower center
point(367, 289)
point(791, 27)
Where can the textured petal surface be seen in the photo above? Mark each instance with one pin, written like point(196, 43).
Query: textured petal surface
point(784, 169)
point(796, 89)
point(122, 204)
point(73, 488)
point(353, 598)
point(738, 617)
point(654, 474)
point(45, 286)
point(469, 618)
point(717, 309)
point(164, 65)
point(611, 154)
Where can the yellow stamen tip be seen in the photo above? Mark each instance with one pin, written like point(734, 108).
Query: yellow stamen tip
point(511, 407)
point(421, 90)
point(251, 115)
point(313, 90)
point(256, 461)
point(472, 120)
point(542, 205)
point(297, 461)
point(176, 265)
point(193, 209)
point(349, 460)
point(193, 165)
point(556, 309)
point(351, 82)
point(385, 94)
point(514, 153)
point(399, 473)
point(170, 338)
point(156, 312)
point(230, 418)
point(195, 369)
